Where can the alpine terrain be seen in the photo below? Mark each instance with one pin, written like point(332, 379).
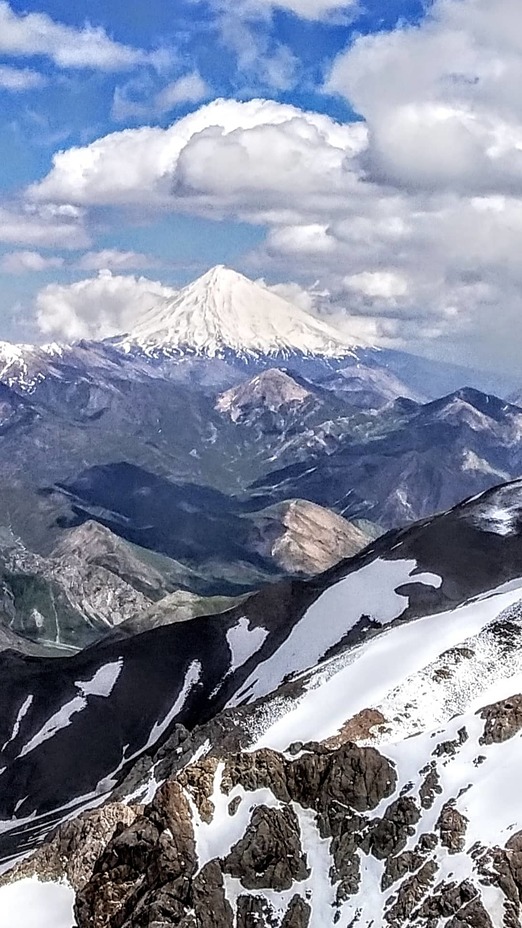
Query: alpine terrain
point(260, 627)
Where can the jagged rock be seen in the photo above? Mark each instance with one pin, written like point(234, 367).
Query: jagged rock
point(70, 852)
point(452, 826)
point(399, 866)
point(297, 915)
point(450, 899)
point(198, 780)
point(269, 856)
point(473, 915)
point(254, 911)
point(503, 720)
point(347, 831)
point(451, 747)
point(145, 873)
point(357, 777)
point(430, 786)
point(411, 891)
point(390, 834)
point(211, 906)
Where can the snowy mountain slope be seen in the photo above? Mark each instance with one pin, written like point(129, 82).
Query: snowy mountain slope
point(223, 311)
point(363, 824)
point(424, 832)
point(32, 903)
point(73, 728)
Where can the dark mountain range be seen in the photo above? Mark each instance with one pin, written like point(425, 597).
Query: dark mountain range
point(407, 461)
point(324, 682)
point(127, 694)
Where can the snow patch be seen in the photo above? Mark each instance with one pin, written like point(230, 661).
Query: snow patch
point(103, 681)
point(24, 709)
point(368, 592)
point(244, 641)
point(31, 904)
point(101, 684)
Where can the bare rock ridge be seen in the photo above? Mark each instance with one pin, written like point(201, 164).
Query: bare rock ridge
point(344, 835)
point(270, 390)
point(306, 539)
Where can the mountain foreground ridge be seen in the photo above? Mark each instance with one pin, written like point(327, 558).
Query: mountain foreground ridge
point(342, 751)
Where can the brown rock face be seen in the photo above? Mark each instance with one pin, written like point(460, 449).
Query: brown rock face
point(457, 902)
point(198, 780)
point(390, 834)
point(503, 720)
point(358, 728)
point(72, 850)
point(452, 826)
point(210, 902)
point(357, 777)
point(147, 876)
point(430, 786)
point(410, 894)
point(269, 856)
point(145, 873)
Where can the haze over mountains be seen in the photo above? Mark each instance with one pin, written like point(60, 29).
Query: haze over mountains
point(217, 597)
point(189, 438)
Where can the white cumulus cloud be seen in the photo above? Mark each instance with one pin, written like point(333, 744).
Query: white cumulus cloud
point(215, 159)
point(96, 307)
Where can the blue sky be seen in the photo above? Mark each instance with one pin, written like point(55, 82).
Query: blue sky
point(133, 144)
point(62, 107)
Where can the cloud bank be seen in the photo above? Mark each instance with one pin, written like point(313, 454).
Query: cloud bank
point(410, 216)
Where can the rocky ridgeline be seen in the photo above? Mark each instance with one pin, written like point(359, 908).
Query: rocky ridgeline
point(318, 836)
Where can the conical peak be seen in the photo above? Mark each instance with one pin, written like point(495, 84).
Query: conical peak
point(224, 311)
point(220, 274)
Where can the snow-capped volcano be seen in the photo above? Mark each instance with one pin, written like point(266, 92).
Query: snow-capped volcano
point(223, 311)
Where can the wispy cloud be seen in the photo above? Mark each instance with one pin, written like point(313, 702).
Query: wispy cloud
point(190, 88)
point(114, 259)
point(23, 262)
point(19, 79)
point(46, 226)
point(31, 34)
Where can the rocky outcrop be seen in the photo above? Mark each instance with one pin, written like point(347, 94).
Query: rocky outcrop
point(452, 827)
point(70, 852)
point(273, 391)
point(303, 538)
point(269, 856)
point(152, 866)
point(503, 720)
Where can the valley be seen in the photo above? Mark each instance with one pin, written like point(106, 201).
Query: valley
point(260, 628)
